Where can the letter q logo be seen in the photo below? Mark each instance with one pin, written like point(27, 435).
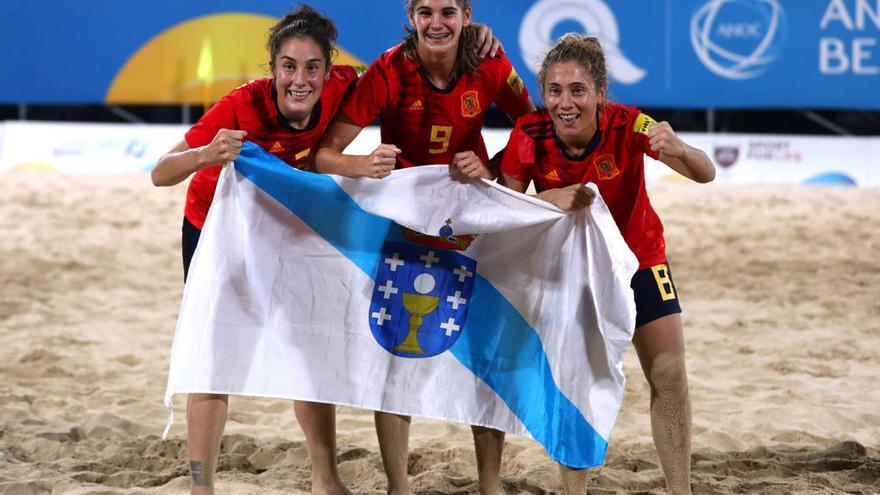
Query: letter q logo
point(595, 18)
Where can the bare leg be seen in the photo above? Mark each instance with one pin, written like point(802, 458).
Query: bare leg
point(574, 481)
point(318, 422)
point(205, 419)
point(488, 444)
point(660, 346)
point(393, 433)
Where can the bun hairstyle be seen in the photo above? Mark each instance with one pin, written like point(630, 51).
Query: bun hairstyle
point(304, 22)
point(586, 51)
point(466, 59)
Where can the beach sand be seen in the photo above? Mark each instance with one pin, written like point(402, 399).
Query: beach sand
point(780, 286)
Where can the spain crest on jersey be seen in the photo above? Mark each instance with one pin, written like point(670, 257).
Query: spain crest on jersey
point(606, 168)
point(470, 104)
point(421, 298)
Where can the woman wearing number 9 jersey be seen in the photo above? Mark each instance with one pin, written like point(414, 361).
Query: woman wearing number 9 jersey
point(431, 92)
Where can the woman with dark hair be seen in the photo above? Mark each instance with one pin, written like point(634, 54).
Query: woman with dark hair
point(432, 92)
point(285, 114)
point(579, 138)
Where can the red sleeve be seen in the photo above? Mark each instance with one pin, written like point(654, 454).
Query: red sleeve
point(519, 155)
point(337, 91)
point(513, 97)
point(345, 73)
point(370, 96)
point(219, 116)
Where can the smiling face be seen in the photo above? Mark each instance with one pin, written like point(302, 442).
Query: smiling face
point(572, 100)
point(438, 25)
point(299, 70)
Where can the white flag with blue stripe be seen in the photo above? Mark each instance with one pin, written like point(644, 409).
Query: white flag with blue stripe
point(416, 294)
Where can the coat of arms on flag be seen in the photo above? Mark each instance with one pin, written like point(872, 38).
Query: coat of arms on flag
point(420, 300)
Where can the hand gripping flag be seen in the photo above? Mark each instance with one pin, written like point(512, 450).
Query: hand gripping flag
point(416, 294)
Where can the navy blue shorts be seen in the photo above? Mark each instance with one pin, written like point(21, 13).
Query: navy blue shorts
point(655, 294)
point(190, 240)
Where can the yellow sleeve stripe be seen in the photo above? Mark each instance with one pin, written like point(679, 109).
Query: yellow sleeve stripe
point(302, 154)
point(515, 83)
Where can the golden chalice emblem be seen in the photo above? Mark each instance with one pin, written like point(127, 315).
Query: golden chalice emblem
point(418, 306)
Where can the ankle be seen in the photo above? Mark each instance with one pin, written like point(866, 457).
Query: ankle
point(398, 490)
point(490, 488)
point(329, 487)
point(202, 478)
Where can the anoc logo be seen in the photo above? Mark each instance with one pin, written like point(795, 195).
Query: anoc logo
point(738, 39)
point(596, 19)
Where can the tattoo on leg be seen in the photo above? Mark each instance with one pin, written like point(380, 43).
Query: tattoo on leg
point(198, 473)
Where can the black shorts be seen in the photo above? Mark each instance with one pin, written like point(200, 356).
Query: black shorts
point(189, 242)
point(655, 294)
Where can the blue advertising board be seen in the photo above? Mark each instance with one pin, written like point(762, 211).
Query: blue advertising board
point(661, 53)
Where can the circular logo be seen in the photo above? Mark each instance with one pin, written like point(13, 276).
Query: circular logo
point(738, 39)
point(595, 19)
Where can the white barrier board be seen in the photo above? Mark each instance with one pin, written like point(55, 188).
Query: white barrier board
point(92, 148)
point(739, 158)
point(763, 158)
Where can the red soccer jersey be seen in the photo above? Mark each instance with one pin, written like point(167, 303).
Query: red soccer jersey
point(428, 124)
point(613, 161)
point(252, 107)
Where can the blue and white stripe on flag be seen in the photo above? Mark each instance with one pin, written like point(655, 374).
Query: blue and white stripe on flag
point(416, 294)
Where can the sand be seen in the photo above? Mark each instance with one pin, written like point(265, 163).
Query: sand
point(781, 289)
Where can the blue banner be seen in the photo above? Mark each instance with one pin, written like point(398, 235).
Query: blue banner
point(670, 53)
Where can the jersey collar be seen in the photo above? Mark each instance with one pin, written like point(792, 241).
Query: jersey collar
point(601, 125)
point(435, 88)
point(417, 66)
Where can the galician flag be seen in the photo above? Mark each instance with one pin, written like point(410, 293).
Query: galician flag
point(416, 294)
